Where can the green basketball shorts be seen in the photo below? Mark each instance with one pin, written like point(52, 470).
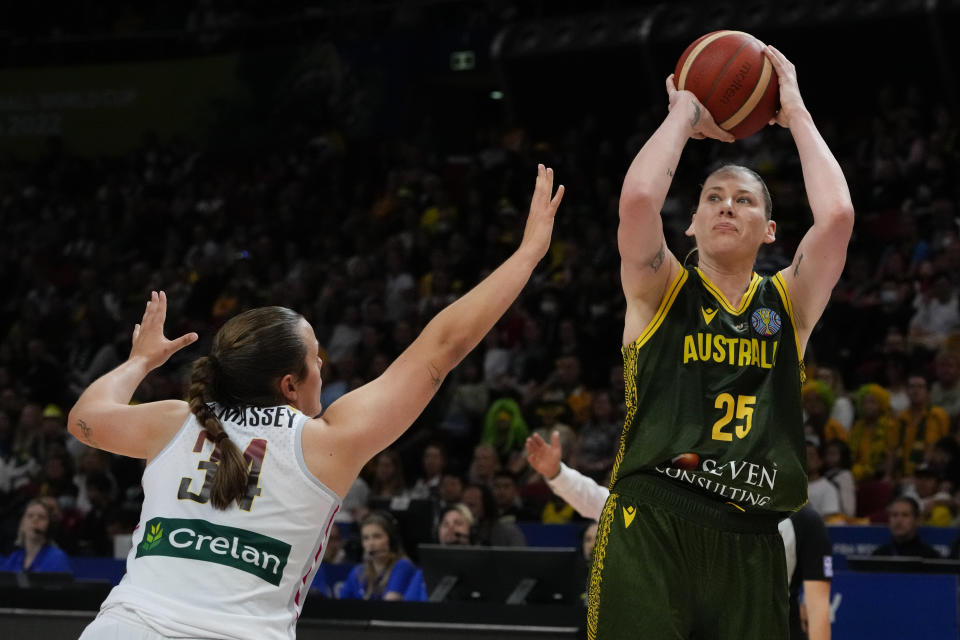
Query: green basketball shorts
point(671, 564)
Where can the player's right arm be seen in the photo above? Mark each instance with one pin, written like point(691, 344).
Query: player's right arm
point(646, 264)
point(365, 421)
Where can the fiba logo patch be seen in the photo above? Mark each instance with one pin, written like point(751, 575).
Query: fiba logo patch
point(765, 321)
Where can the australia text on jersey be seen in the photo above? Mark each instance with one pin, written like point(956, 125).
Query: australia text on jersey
point(738, 352)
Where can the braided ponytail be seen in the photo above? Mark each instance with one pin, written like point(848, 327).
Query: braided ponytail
point(230, 478)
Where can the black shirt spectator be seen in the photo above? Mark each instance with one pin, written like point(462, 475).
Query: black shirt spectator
point(904, 514)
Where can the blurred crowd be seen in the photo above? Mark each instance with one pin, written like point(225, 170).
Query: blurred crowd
point(368, 238)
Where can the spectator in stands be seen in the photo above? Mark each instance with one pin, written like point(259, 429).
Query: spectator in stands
point(836, 469)
point(918, 426)
point(93, 461)
point(945, 459)
point(817, 404)
point(335, 552)
point(505, 429)
point(92, 538)
point(490, 531)
point(842, 410)
point(456, 525)
point(433, 463)
point(936, 314)
point(936, 504)
point(466, 403)
point(484, 465)
point(506, 493)
point(824, 496)
point(34, 549)
point(450, 491)
point(895, 378)
point(562, 397)
point(873, 437)
point(388, 480)
point(386, 572)
point(596, 445)
point(904, 518)
point(945, 391)
point(56, 478)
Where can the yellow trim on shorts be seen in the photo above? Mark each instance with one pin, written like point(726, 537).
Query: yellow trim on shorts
point(596, 571)
point(665, 305)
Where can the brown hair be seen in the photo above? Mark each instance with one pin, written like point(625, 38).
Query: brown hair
point(736, 168)
point(20, 540)
point(249, 356)
point(374, 582)
point(396, 484)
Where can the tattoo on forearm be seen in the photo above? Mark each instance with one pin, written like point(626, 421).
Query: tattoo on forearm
point(435, 375)
point(670, 172)
point(696, 115)
point(796, 269)
point(87, 433)
point(657, 261)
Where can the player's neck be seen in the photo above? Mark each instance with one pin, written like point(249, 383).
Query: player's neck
point(732, 278)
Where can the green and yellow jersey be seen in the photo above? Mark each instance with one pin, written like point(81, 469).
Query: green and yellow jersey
point(722, 383)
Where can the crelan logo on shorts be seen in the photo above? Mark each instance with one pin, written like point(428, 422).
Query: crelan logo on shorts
point(256, 554)
point(628, 515)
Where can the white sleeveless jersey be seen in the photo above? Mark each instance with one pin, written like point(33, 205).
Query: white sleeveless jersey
point(198, 572)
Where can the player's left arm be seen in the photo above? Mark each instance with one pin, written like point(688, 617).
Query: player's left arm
point(822, 253)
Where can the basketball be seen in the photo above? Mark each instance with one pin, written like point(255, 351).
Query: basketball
point(686, 461)
point(731, 77)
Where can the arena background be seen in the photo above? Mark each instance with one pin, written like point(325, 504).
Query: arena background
point(128, 131)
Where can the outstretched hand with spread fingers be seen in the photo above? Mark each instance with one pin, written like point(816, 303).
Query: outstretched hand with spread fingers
point(543, 208)
point(149, 343)
point(543, 457)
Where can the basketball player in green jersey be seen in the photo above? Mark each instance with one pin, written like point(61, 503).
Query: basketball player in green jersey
point(712, 452)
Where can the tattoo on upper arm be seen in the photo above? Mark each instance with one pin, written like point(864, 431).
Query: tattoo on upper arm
point(670, 172)
point(87, 433)
point(657, 261)
point(796, 269)
point(435, 376)
point(696, 115)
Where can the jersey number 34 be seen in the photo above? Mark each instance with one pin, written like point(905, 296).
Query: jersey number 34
point(253, 454)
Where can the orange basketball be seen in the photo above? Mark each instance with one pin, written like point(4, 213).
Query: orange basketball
point(731, 77)
point(686, 461)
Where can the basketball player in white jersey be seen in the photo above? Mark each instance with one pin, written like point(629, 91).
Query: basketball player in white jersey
point(242, 482)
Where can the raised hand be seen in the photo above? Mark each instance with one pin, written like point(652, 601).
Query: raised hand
point(790, 100)
point(149, 343)
point(543, 208)
point(701, 121)
point(543, 457)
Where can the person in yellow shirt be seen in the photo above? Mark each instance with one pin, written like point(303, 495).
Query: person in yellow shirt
point(919, 426)
point(873, 436)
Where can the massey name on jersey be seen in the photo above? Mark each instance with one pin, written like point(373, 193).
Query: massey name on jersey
point(256, 416)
